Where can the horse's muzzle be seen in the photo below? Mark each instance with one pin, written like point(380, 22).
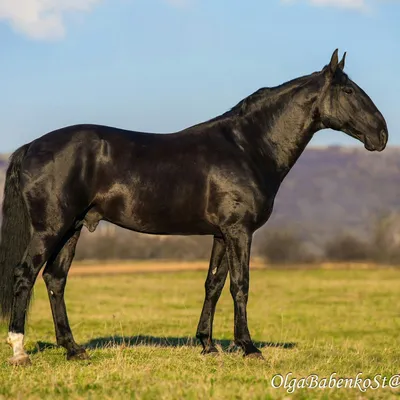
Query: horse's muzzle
point(379, 144)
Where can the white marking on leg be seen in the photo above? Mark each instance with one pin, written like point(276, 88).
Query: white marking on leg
point(16, 341)
point(214, 271)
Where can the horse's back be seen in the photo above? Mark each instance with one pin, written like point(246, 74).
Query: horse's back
point(152, 183)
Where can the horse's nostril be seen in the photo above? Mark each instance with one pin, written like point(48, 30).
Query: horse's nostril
point(383, 135)
point(383, 138)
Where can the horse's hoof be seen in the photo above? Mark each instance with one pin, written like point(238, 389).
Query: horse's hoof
point(233, 348)
point(78, 356)
point(20, 360)
point(256, 356)
point(212, 351)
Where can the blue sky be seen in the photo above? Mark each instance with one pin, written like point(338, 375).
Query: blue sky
point(163, 65)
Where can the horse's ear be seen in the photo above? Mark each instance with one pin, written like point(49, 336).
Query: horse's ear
point(342, 62)
point(334, 62)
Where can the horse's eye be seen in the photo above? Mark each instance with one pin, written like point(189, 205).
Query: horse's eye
point(348, 90)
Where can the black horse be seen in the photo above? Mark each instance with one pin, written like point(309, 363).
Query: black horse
point(217, 178)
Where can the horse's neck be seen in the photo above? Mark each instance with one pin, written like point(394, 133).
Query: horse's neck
point(289, 135)
point(281, 131)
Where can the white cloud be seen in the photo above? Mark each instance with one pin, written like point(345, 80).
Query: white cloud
point(355, 4)
point(41, 19)
point(349, 4)
point(44, 19)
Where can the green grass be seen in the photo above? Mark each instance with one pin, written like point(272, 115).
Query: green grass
point(139, 327)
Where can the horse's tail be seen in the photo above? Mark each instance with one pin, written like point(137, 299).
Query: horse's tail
point(15, 230)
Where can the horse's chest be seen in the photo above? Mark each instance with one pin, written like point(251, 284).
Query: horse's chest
point(263, 211)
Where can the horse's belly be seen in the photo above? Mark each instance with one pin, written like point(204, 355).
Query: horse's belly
point(157, 214)
point(164, 224)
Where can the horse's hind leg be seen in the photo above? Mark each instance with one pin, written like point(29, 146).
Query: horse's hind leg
point(55, 277)
point(215, 281)
point(37, 253)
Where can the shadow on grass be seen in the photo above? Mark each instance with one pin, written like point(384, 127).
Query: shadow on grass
point(142, 340)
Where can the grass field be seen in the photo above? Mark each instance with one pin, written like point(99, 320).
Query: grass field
point(139, 331)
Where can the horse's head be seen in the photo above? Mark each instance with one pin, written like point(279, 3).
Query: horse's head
point(344, 106)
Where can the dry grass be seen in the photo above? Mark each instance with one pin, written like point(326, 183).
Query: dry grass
point(139, 331)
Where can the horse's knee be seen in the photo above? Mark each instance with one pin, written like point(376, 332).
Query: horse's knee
point(239, 294)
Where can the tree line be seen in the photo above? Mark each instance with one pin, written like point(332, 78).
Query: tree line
point(274, 245)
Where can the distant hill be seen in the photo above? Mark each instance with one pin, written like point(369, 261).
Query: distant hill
point(335, 189)
point(330, 190)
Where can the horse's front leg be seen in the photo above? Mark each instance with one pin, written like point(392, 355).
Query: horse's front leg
point(238, 244)
point(215, 281)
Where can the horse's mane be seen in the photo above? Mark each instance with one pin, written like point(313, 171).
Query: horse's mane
point(248, 102)
point(267, 94)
